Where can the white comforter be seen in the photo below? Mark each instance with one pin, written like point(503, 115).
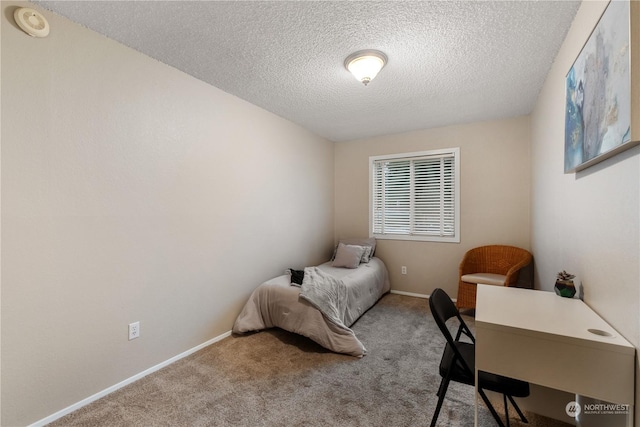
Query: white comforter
point(276, 303)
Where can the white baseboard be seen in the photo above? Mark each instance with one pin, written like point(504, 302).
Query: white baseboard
point(411, 294)
point(128, 381)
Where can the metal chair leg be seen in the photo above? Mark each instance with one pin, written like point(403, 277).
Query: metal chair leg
point(442, 391)
point(491, 408)
point(441, 386)
point(517, 408)
point(506, 409)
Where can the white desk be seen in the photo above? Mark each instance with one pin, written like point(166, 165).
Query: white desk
point(544, 339)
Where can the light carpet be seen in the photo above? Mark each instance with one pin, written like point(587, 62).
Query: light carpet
point(275, 378)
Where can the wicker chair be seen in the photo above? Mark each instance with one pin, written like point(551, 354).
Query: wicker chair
point(494, 265)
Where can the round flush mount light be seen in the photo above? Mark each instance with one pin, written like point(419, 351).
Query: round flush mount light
point(31, 22)
point(365, 64)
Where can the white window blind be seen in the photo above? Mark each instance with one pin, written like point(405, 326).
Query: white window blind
point(415, 196)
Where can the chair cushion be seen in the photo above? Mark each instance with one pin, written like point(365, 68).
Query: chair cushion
point(485, 278)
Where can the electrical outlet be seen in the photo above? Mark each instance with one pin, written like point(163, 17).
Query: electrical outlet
point(134, 330)
point(404, 269)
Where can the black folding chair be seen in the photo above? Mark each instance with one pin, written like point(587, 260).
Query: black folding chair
point(458, 362)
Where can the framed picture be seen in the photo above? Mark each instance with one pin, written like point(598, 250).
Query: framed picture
point(598, 114)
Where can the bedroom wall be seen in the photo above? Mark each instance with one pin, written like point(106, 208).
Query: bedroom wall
point(494, 158)
point(134, 192)
point(586, 223)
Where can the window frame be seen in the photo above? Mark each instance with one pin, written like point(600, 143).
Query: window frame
point(455, 153)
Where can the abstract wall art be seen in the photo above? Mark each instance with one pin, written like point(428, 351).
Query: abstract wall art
point(598, 93)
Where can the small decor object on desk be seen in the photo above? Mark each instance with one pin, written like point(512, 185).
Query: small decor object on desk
point(564, 285)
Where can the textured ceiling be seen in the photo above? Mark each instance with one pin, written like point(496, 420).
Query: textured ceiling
point(449, 62)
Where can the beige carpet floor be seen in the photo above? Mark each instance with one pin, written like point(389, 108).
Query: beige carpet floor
point(275, 378)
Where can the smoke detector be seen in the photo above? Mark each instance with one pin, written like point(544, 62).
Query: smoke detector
point(32, 22)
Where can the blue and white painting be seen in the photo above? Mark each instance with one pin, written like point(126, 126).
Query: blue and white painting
point(598, 89)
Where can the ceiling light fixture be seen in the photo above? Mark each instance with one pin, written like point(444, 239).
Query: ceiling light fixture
point(365, 64)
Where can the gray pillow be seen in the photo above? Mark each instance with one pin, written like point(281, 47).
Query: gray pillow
point(366, 256)
point(348, 256)
point(371, 242)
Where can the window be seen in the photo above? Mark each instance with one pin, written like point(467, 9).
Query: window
point(415, 196)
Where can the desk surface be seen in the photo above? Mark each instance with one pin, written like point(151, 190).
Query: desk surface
point(544, 339)
point(537, 312)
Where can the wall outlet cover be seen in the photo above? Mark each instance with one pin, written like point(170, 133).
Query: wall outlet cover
point(134, 330)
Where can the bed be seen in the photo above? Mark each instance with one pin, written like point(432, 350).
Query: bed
point(349, 292)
